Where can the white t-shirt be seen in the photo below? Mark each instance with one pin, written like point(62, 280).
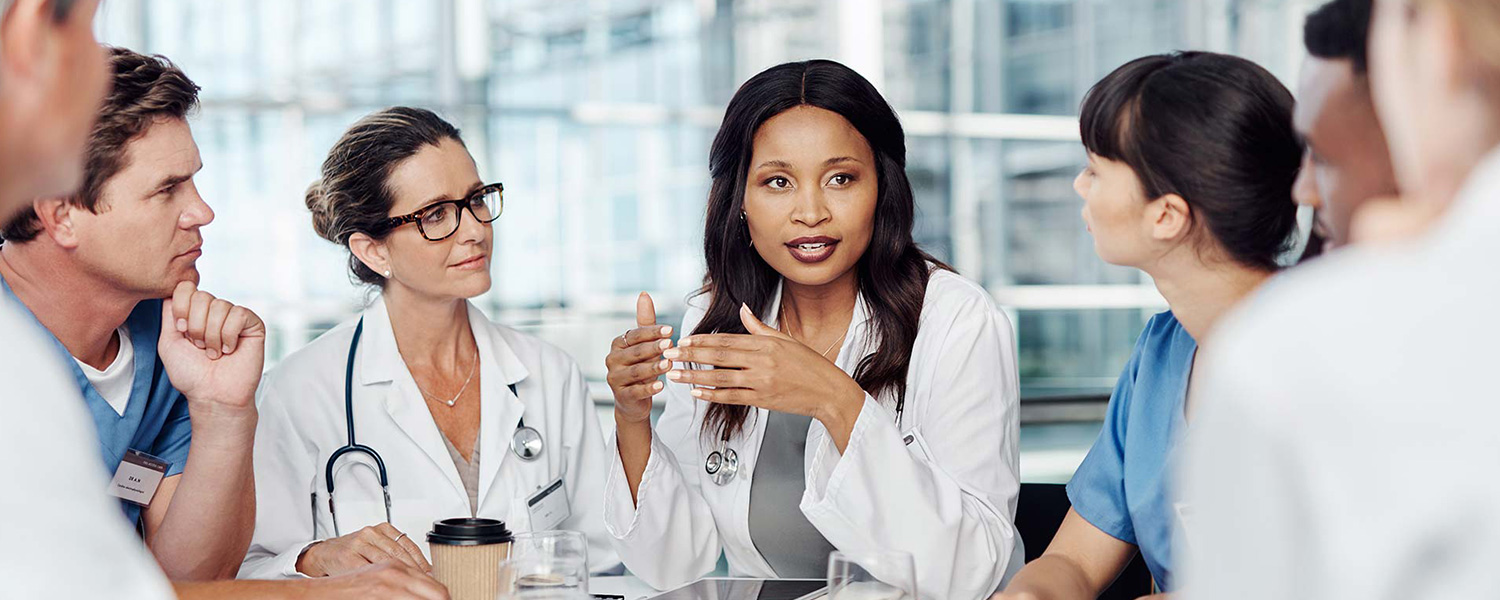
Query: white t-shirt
point(1345, 445)
point(64, 537)
point(113, 383)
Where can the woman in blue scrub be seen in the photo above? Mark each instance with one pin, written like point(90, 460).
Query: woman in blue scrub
point(1191, 160)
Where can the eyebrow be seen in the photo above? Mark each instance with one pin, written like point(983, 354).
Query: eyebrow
point(781, 164)
point(442, 198)
point(172, 180)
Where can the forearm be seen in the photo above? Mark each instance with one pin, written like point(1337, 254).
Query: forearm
point(1051, 577)
point(211, 516)
point(634, 441)
point(240, 590)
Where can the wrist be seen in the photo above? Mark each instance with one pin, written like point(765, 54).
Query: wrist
point(626, 418)
point(841, 412)
point(305, 563)
point(228, 430)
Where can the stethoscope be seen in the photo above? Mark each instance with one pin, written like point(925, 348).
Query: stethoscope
point(526, 442)
point(723, 464)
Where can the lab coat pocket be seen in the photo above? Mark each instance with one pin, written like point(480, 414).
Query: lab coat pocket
point(516, 517)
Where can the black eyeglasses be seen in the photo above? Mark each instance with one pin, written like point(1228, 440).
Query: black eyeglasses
point(439, 220)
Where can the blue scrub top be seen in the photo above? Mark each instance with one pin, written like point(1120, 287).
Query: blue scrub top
point(1123, 486)
point(155, 419)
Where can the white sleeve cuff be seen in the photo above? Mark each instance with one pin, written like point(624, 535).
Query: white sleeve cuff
point(828, 469)
point(620, 514)
point(284, 565)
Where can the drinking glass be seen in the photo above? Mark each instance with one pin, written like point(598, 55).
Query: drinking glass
point(536, 574)
point(871, 575)
point(554, 543)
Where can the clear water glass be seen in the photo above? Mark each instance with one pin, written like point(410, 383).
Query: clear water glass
point(538, 574)
point(554, 544)
point(872, 575)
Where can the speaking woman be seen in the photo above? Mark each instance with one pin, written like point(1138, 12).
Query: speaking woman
point(839, 388)
point(468, 418)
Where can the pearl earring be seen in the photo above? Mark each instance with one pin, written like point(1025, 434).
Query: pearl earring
point(387, 273)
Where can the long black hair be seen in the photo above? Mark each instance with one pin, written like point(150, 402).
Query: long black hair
point(1213, 129)
point(892, 274)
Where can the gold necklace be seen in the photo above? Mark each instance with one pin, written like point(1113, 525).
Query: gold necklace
point(473, 366)
point(782, 320)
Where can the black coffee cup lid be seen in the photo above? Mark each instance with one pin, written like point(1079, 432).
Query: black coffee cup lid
point(466, 531)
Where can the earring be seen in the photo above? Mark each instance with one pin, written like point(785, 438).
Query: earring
point(387, 273)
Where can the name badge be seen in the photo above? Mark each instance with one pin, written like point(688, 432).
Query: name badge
point(138, 477)
point(549, 506)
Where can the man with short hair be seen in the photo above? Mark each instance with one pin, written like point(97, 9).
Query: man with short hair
point(171, 383)
point(92, 267)
point(1347, 163)
point(63, 538)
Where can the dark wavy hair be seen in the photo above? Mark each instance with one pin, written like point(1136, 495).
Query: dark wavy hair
point(892, 274)
point(1212, 128)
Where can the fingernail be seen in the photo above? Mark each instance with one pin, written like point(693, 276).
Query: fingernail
point(226, 350)
point(666, 330)
point(200, 344)
point(685, 342)
point(182, 325)
point(656, 386)
point(664, 344)
point(697, 393)
point(213, 354)
point(674, 375)
point(662, 366)
point(672, 353)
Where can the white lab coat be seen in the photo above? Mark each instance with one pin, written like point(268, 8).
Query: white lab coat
point(1344, 442)
point(941, 486)
point(302, 422)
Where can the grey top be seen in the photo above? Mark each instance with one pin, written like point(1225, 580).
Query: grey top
point(778, 528)
point(468, 472)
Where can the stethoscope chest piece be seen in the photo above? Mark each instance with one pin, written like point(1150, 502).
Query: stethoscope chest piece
point(722, 466)
point(526, 442)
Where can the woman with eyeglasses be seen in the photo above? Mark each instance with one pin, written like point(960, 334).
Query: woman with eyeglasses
point(420, 408)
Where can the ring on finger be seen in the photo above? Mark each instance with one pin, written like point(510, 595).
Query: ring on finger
point(398, 538)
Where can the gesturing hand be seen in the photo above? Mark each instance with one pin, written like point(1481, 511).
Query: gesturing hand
point(634, 363)
point(212, 349)
point(768, 369)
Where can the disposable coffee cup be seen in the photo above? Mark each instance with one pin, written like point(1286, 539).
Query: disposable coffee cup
point(465, 556)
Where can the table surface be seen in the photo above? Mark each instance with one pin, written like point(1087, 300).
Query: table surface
point(629, 587)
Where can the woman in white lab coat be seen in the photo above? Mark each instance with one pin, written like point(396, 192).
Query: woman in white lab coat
point(469, 417)
point(837, 387)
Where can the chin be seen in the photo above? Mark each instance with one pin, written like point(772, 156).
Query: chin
point(812, 275)
point(474, 286)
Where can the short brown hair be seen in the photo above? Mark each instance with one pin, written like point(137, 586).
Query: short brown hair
point(145, 88)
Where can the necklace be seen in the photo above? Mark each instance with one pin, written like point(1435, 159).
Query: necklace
point(782, 321)
point(472, 367)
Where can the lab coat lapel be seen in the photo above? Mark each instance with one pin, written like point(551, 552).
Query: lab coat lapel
point(380, 361)
point(499, 410)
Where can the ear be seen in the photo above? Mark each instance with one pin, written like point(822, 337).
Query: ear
point(56, 218)
point(370, 251)
point(1170, 217)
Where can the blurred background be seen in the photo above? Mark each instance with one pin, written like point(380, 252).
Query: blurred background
point(597, 116)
